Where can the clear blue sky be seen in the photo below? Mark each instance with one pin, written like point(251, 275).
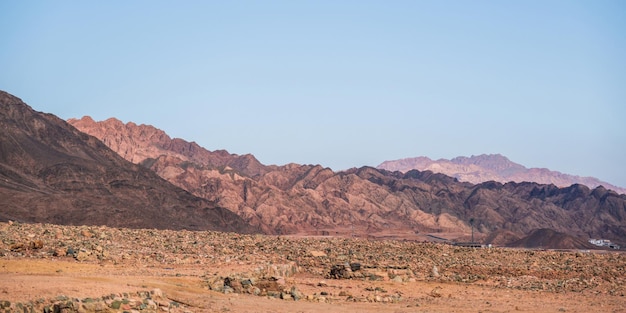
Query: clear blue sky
point(337, 83)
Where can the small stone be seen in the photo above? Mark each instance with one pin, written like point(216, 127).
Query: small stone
point(280, 281)
point(36, 245)
point(156, 293)
point(436, 293)
point(435, 272)
point(5, 304)
point(285, 296)
point(62, 298)
point(18, 247)
point(315, 253)
point(70, 251)
point(215, 283)
point(355, 266)
point(295, 293)
point(81, 256)
point(94, 306)
point(115, 305)
point(150, 304)
point(59, 252)
point(340, 271)
point(234, 284)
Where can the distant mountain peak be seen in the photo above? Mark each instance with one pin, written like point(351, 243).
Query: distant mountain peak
point(481, 158)
point(485, 167)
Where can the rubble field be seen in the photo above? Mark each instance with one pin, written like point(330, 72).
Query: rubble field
point(52, 268)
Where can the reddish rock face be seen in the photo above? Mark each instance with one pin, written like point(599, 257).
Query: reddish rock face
point(138, 143)
point(493, 167)
point(313, 200)
point(52, 173)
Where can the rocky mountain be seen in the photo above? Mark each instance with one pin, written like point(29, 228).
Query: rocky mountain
point(313, 200)
point(52, 173)
point(493, 167)
point(137, 143)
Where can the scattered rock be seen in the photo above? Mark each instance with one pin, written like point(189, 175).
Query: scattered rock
point(397, 279)
point(142, 301)
point(35, 245)
point(355, 266)
point(70, 252)
point(315, 253)
point(436, 292)
point(341, 271)
point(267, 261)
point(18, 247)
point(435, 272)
point(295, 293)
point(81, 256)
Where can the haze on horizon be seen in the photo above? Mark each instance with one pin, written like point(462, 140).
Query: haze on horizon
point(338, 83)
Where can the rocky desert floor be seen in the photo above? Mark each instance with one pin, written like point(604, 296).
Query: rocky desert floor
point(50, 268)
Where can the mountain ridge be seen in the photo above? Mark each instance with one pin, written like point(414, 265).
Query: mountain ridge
point(50, 172)
point(496, 167)
point(136, 143)
point(313, 200)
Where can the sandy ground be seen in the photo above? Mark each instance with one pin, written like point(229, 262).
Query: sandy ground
point(27, 279)
point(35, 263)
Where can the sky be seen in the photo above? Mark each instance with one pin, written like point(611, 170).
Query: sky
point(338, 83)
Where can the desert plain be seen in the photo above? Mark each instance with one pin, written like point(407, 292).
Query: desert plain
point(51, 268)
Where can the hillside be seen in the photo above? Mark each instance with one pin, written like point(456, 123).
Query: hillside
point(547, 238)
point(313, 200)
point(52, 173)
point(493, 167)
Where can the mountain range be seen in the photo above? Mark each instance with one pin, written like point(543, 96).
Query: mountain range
point(52, 173)
point(128, 175)
point(495, 167)
point(312, 200)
